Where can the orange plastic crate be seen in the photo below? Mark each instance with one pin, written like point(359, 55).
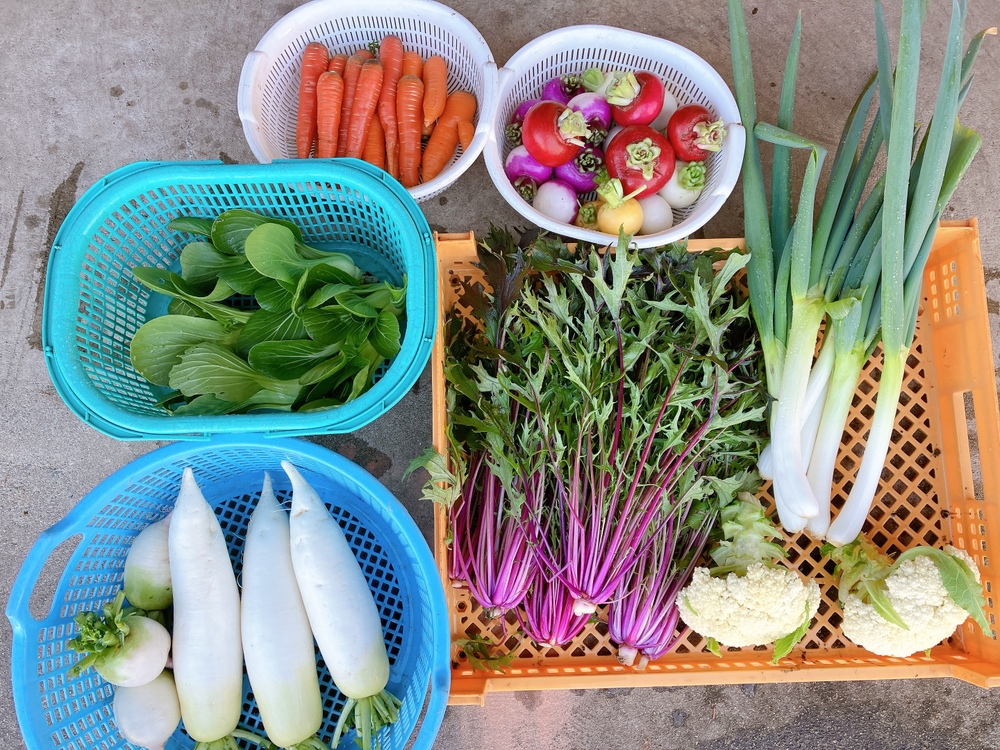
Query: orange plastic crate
point(932, 492)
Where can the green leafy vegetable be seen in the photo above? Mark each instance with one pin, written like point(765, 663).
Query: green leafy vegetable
point(231, 228)
point(271, 249)
point(270, 326)
point(208, 368)
point(191, 224)
point(159, 344)
point(258, 320)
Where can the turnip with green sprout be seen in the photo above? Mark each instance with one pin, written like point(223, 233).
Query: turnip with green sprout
point(121, 643)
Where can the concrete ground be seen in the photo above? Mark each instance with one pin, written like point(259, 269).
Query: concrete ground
point(91, 85)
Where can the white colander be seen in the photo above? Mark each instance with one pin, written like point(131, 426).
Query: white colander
point(269, 84)
point(575, 49)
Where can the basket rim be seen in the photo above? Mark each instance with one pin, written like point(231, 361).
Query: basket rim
point(76, 520)
point(733, 145)
point(62, 282)
point(287, 26)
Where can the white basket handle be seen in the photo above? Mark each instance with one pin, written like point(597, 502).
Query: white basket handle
point(245, 101)
point(735, 139)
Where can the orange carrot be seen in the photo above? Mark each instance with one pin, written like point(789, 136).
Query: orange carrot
point(413, 65)
point(425, 131)
point(337, 63)
point(374, 152)
point(329, 99)
point(314, 59)
point(409, 103)
point(459, 108)
point(439, 150)
point(366, 53)
point(363, 107)
point(466, 132)
point(390, 54)
point(352, 70)
point(461, 105)
point(435, 88)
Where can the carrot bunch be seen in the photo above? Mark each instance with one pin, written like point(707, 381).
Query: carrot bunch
point(385, 105)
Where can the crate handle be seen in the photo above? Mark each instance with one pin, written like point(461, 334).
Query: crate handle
point(24, 586)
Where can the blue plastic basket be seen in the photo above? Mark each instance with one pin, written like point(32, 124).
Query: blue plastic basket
point(56, 711)
point(93, 305)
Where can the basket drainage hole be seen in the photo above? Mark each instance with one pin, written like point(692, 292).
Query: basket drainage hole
point(44, 591)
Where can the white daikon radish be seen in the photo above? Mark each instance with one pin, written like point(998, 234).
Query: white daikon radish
point(121, 643)
point(207, 654)
point(277, 641)
point(342, 613)
point(147, 568)
point(148, 715)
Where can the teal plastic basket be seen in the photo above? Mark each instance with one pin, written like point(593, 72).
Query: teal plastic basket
point(93, 305)
point(57, 712)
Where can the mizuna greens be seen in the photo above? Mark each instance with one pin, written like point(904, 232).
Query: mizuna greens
point(592, 401)
point(857, 264)
point(261, 321)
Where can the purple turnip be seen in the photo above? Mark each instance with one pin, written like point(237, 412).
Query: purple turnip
point(582, 171)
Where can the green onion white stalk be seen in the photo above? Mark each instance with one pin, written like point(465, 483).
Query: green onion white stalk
point(858, 266)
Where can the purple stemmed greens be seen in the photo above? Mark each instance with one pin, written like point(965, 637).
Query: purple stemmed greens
point(597, 404)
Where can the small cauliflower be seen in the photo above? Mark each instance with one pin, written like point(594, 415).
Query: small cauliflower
point(901, 608)
point(749, 599)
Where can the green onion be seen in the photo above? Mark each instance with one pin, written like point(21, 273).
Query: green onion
point(859, 268)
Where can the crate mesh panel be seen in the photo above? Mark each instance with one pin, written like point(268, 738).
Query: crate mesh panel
point(907, 511)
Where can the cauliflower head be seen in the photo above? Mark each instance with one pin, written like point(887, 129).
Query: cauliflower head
point(757, 608)
point(919, 597)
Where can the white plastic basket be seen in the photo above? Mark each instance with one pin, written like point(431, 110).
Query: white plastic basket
point(686, 75)
point(269, 84)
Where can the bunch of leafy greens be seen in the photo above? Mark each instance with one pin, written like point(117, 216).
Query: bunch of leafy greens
point(261, 321)
point(592, 398)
